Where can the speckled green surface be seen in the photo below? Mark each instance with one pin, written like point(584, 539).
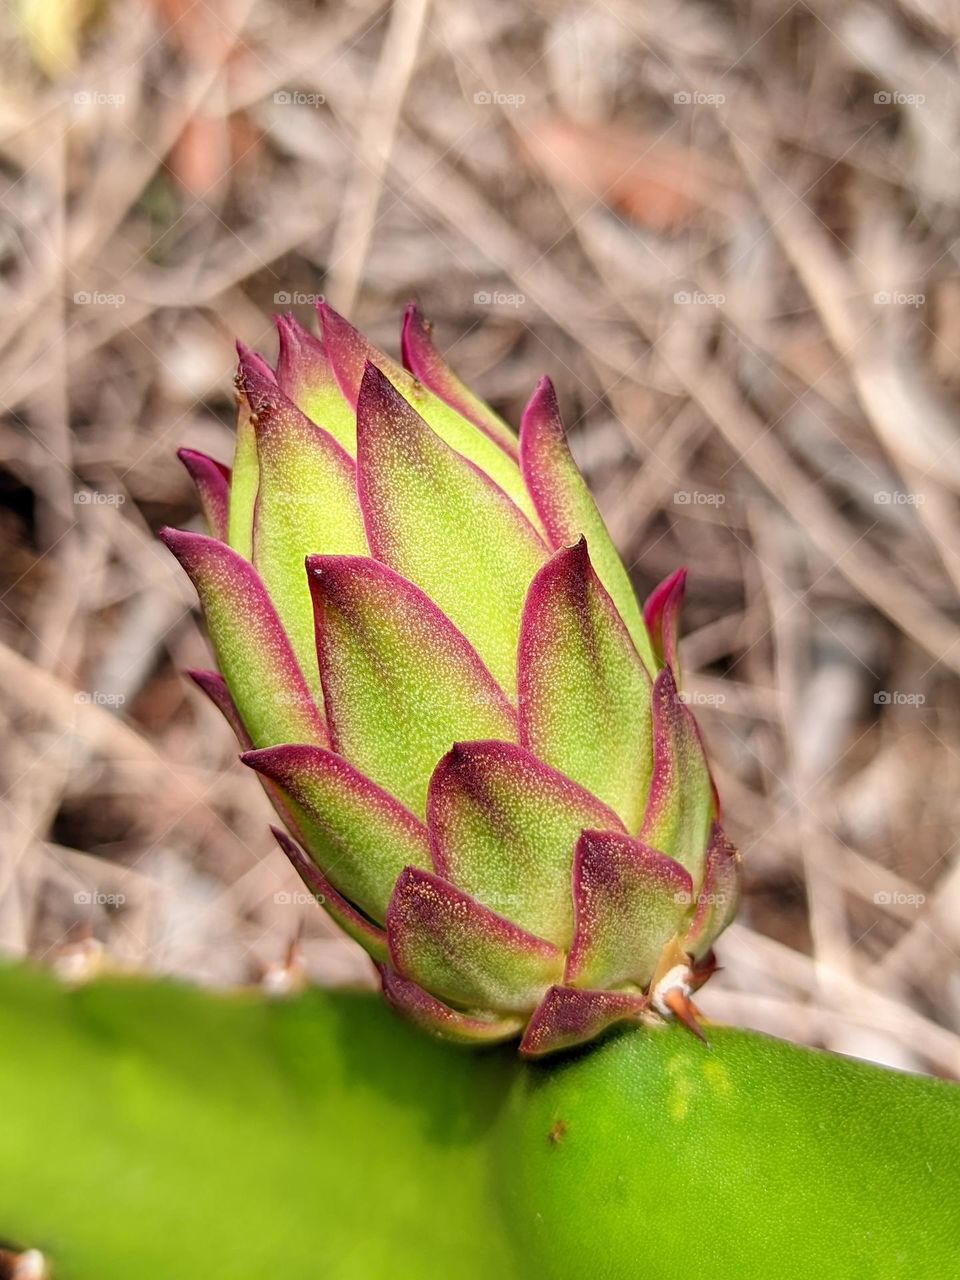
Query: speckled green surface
point(401, 684)
point(583, 691)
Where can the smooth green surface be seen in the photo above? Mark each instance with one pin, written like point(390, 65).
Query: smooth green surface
point(150, 1131)
point(153, 1132)
point(654, 1157)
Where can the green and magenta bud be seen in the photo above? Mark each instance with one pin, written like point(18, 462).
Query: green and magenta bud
point(433, 657)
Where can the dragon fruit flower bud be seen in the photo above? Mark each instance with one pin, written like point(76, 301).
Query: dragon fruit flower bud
point(434, 659)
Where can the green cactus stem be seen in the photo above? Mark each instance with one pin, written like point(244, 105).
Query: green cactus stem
point(149, 1130)
point(658, 1157)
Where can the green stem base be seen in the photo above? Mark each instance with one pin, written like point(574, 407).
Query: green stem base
point(656, 1157)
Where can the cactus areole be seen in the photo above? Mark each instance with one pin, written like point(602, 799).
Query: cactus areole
point(434, 659)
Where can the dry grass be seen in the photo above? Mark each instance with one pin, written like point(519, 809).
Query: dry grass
point(552, 183)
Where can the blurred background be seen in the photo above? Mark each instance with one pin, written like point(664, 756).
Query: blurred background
point(729, 232)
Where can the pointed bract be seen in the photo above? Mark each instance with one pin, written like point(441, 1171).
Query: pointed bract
point(442, 523)
point(680, 804)
point(357, 834)
point(400, 683)
point(253, 366)
point(427, 365)
point(448, 942)
point(437, 1019)
point(305, 375)
point(566, 1017)
point(215, 687)
point(351, 921)
point(629, 902)
point(661, 613)
point(212, 479)
point(245, 473)
point(719, 895)
point(306, 504)
point(349, 354)
point(567, 509)
point(583, 693)
point(253, 652)
point(503, 827)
